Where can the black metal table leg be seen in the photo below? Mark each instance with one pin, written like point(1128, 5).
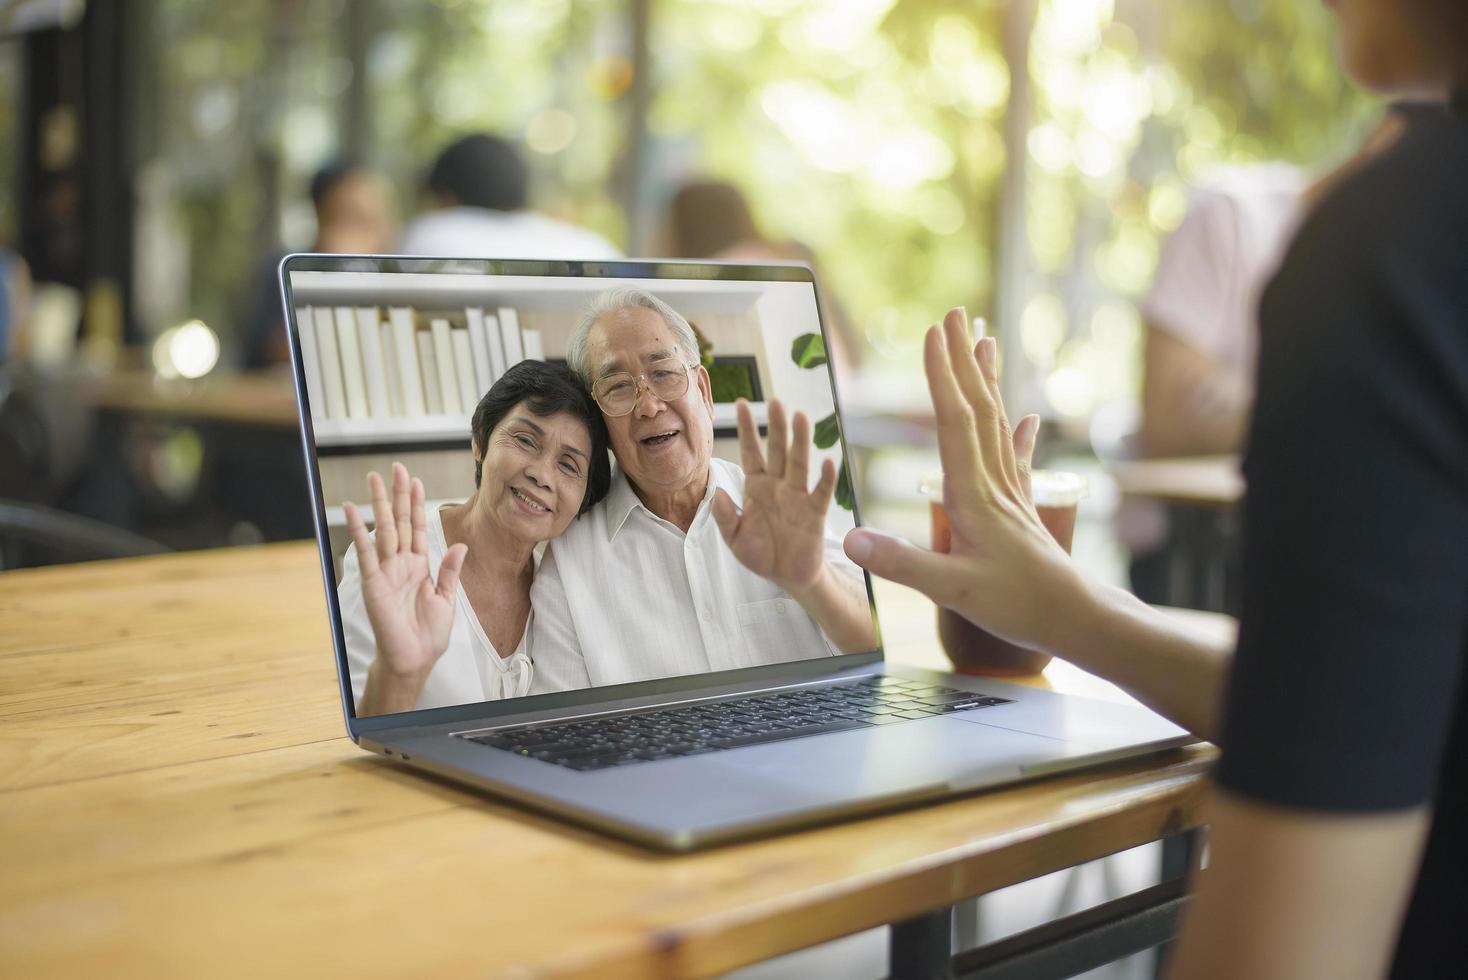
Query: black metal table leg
point(922, 948)
point(1180, 855)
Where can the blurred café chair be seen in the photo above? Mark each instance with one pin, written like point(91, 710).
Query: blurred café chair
point(46, 433)
point(31, 534)
point(47, 437)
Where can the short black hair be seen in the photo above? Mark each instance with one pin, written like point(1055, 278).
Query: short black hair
point(482, 171)
point(328, 177)
point(545, 389)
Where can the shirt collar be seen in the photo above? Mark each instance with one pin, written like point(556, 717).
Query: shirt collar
point(622, 500)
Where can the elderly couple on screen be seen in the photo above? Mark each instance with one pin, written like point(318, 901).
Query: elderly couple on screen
point(672, 563)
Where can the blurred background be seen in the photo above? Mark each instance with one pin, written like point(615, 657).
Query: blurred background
point(1029, 159)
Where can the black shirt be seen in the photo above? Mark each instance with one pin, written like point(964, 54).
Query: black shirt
point(1348, 690)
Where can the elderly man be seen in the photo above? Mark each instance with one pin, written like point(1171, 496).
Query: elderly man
point(691, 564)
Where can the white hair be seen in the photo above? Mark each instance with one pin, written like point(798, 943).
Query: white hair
point(624, 298)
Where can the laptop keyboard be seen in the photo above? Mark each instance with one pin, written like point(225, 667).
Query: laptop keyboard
point(712, 726)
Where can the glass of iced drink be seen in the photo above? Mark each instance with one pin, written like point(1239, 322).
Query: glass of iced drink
point(973, 649)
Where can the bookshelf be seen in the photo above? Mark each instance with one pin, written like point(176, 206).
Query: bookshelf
point(400, 360)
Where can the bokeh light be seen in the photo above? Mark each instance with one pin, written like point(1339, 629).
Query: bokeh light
point(189, 350)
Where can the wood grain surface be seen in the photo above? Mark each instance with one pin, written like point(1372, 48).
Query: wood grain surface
point(178, 798)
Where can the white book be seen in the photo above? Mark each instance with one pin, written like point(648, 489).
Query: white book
point(331, 362)
point(496, 347)
point(479, 344)
point(310, 362)
point(443, 357)
point(510, 332)
point(374, 371)
point(432, 393)
point(405, 359)
point(534, 345)
point(390, 371)
point(469, 393)
point(352, 375)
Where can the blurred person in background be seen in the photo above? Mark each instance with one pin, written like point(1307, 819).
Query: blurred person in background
point(1336, 829)
point(480, 191)
point(710, 219)
point(355, 214)
point(1202, 335)
point(1201, 319)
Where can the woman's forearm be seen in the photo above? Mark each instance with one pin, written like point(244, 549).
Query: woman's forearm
point(1173, 669)
point(387, 693)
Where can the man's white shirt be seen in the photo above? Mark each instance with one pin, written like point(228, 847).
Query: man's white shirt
point(479, 232)
point(624, 595)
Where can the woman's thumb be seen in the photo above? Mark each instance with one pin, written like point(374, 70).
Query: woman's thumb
point(892, 558)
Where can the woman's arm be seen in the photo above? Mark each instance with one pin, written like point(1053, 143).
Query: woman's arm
point(412, 616)
point(1191, 404)
point(1299, 894)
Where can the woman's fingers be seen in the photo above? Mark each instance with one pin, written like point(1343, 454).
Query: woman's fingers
point(366, 557)
point(965, 367)
point(1025, 436)
point(992, 429)
point(402, 506)
point(387, 542)
point(958, 443)
point(420, 519)
point(986, 353)
point(448, 571)
point(750, 455)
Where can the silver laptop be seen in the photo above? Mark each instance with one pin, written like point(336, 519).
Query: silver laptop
point(752, 719)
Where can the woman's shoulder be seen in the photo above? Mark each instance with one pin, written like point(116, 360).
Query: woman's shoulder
point(1412, 196)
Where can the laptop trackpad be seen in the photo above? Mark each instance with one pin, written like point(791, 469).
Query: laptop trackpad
point(941, 752)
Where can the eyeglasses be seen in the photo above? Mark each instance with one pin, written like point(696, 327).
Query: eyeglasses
point(617, 393)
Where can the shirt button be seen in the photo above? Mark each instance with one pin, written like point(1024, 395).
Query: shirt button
point(708, 617)
point(780, 606)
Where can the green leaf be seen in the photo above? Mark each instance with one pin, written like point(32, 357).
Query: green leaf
point(844, 495)
point(827, 431)
point(730, 382)
point(809, 350)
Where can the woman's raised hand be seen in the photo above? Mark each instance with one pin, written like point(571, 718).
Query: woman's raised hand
point(1003, 571)
point(411, 614)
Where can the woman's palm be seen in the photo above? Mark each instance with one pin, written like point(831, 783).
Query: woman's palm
point(410, 619)
point(411, 614)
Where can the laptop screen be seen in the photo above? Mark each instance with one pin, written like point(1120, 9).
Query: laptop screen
point(564, 499)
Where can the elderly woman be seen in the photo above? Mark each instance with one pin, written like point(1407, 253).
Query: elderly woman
point(436, 605)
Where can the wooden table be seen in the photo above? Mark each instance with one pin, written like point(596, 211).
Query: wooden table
point(265, 399)
point(178, 798)
point(1205, 481)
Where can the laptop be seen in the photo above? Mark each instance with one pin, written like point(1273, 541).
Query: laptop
point(783, 728)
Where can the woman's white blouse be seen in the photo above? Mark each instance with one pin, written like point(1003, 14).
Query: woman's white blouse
point(469, 671)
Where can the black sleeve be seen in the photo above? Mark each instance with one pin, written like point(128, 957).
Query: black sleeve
point(1355, 606)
